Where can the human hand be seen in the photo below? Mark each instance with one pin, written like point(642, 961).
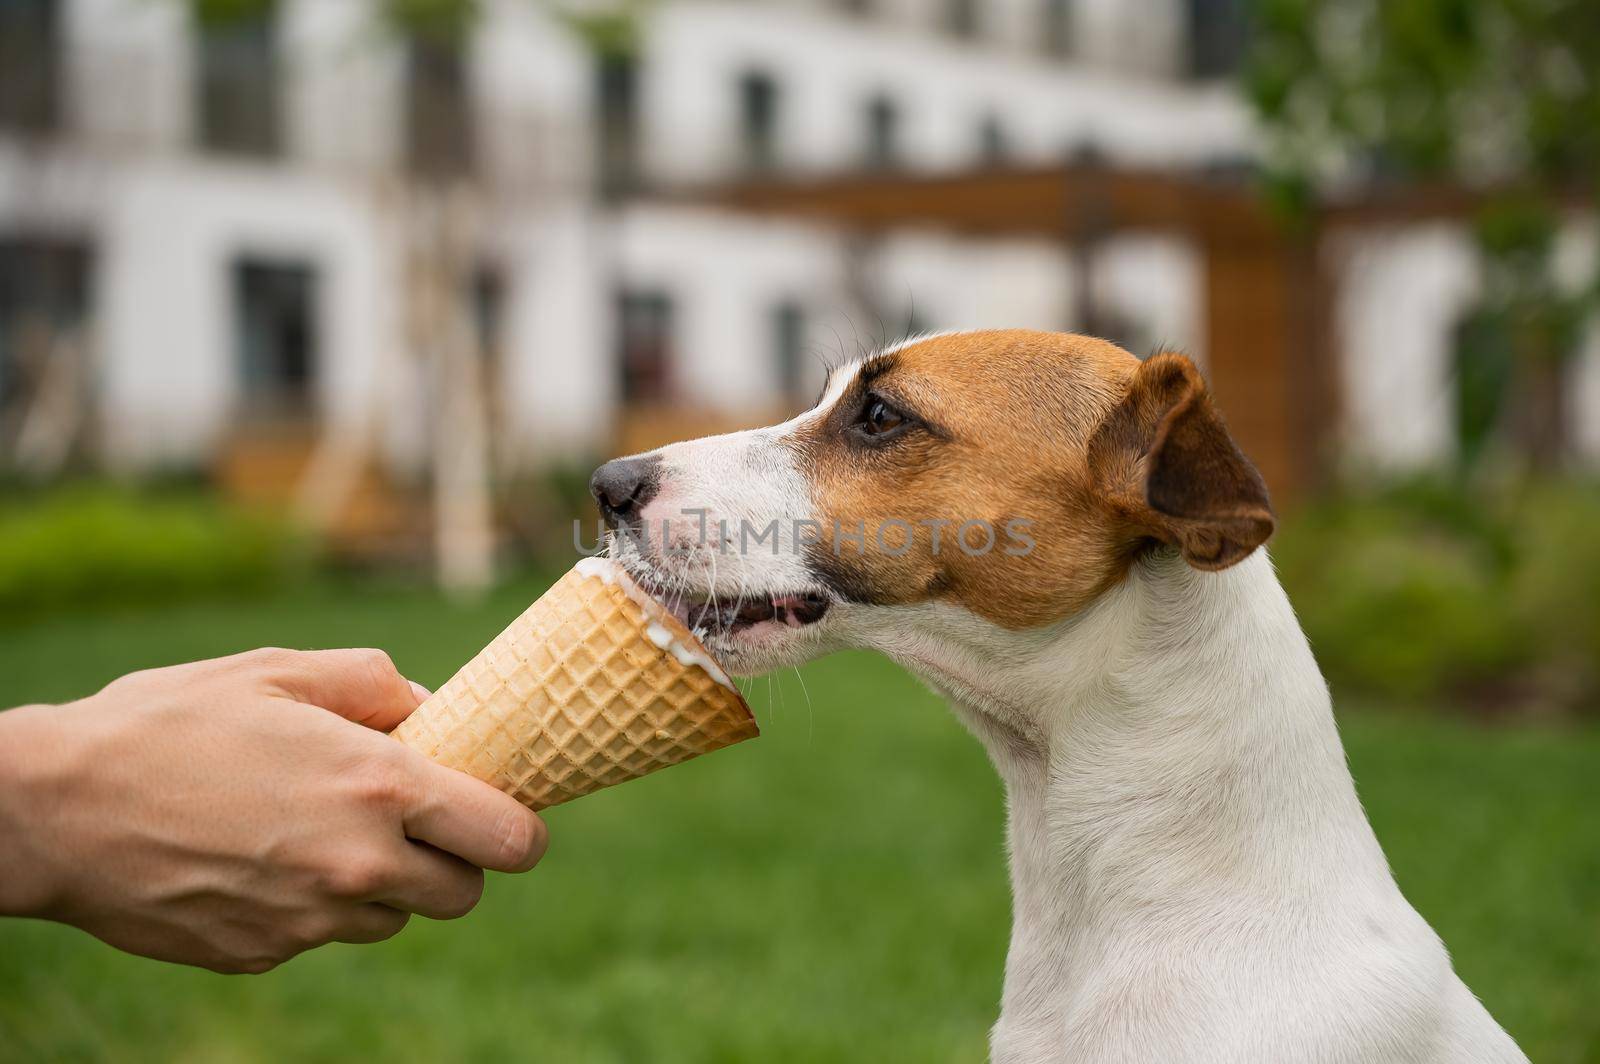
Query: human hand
point(233, 813)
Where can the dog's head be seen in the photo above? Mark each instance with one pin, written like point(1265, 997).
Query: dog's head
point(1011, 477)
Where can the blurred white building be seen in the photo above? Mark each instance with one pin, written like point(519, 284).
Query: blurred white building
point(224, 215)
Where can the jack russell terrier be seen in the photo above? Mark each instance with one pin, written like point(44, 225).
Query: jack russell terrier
point(1062, 541)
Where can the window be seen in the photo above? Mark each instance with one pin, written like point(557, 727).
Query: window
point(29, 65)
point(44, 292)
point(1056, 36)
point(618, 104)
point(883, 133)
point(961, 18)
point(789, 348)
point(275, 322)
point(758, 120)
point(644, 346)
point(486, 302)
point(487, 298)
point(1217, 37)
point(993, 144)
point(438, 106)
point(238, 80)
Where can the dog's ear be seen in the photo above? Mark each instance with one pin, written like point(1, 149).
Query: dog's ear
point(1167, 462)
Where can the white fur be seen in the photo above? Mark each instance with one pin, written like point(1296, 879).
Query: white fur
point(1194, 878)
point(717, 495)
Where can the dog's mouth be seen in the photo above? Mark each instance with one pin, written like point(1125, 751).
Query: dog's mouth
point(721, 617)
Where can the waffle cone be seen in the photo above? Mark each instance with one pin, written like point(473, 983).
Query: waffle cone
point(576, 695)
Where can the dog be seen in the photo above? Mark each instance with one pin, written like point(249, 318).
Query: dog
point(1064, 542)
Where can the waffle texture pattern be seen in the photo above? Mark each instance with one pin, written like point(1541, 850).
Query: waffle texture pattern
point(574, 696)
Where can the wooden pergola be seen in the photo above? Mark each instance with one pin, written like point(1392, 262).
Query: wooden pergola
point(1267, 290)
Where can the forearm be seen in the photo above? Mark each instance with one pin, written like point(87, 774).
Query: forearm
point(32, 748)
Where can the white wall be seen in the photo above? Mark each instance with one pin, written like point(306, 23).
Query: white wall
point(558, 379)
point(962, 284)
point(1576, 260)
point(167, 221)
point(726, 273)
point(1142, 38)
point(1401, 292)
point(342, 85)
point(1584, 413)
point(167, 346)
point(1159, 283)
point(533, 84)
point(827, 67)
point(128, 71)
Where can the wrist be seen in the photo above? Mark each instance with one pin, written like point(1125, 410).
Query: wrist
point(33, 749)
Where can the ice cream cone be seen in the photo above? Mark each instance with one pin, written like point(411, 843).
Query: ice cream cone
point(595, 684)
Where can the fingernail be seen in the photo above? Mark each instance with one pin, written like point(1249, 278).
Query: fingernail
point(420, 691)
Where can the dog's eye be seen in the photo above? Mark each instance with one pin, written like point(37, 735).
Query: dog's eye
point(878, 417)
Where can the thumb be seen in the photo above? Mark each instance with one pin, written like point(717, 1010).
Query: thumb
point(361, 685)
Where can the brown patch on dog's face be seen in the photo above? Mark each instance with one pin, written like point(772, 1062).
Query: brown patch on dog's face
point(1042, 441)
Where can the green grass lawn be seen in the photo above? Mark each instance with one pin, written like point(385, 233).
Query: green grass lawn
point(833, 891)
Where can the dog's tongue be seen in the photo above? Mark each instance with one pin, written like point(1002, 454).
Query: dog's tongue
point(793, 611)
point(797, 611)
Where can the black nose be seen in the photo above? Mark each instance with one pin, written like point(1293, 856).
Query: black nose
point(622, 487)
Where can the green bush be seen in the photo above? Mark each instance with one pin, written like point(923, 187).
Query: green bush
point(99, 545)
point(538, 510)
point(1556, 593)
point(1430, 591)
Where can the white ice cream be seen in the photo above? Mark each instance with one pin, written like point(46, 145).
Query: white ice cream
point(686, 655)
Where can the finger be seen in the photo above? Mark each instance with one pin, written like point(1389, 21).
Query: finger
point(472, 820)
point(361, 685)
point(434, 884)
point(370, 922)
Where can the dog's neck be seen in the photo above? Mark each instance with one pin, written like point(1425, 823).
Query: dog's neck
point(1171, 764)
